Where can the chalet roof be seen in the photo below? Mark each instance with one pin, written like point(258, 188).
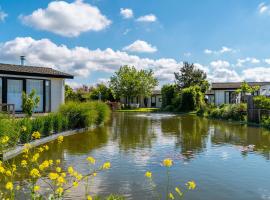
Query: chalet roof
point(235, 85)
point(32, 71)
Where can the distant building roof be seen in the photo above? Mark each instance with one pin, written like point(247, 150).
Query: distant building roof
point(209, 92)
point(235, 85)
point(156, 92)
point(32, 71)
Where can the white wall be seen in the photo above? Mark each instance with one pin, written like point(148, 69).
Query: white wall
point(57, 93)
point(265, 90)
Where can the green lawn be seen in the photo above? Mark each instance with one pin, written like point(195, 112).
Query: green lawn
point(139, 110)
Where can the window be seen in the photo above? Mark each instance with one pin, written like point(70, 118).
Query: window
point(36, 85)
point(230, 97)
point(48, 96)
point(14, 93)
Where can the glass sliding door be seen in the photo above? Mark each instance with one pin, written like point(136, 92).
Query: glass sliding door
point(36, 85)
point(48, 96)
point(14, 93)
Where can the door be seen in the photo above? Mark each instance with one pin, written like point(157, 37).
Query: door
point(14, 93)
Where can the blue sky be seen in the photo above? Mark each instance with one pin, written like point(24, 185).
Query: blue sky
point(229, 39)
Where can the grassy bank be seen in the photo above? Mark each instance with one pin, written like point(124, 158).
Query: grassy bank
point(72, 115)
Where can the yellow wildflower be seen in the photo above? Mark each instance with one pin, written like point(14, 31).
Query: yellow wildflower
point(35, 173)
point(58, 169)
point(2, 169)
point(70, 170)
point(60, 180)
point(91, 160)
point(148, 174)
point(23, 128)
point(36, 135)
point(23, 163)
point(63, 174)
point(4, 139)
point(167, 162)
point(89, 197)
point(51, 162)
point(46, 147)
point(75, 184)
point(9, 186)
point(171, 196)
point(40, 149)
point(59, 190)
point(14, 167)
point(18, 187)
point(79, 177)
point(106, 165)
point(36, 188)
point(178, 191)
point(60, 139)
point(94, 174)
point(53, 176)
point(26, 148)
point(58, 161)
point(8, 173)
point(191, 185)
point(35, 157)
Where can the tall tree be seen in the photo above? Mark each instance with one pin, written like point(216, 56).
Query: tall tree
point(129, 82)
point(103, 92)
point(189, 75)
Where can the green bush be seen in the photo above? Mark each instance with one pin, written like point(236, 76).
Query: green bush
point(236, 112)
point(47, 125)
point(167, 92)
point(25, 127)
point(9, 127)
point(192, 98)
point(103, 112)
point(262, 102)
point(57, 122)
point(37, 124)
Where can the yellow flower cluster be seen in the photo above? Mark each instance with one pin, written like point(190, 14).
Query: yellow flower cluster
point(60, 139)
point(4, 140)
point(34, 173)
point(106, 165)
point(91, 160)
point(23, 128)
point(191, 185)
point(9, 186)
point(36, 135)
point(148, 174)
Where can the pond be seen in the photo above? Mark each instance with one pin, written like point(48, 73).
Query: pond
point(218, 156)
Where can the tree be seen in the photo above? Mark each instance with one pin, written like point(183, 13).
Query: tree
point(168, 93)
point(189, 75)
point(102, 91)
point(245, 88)
point(29, 102)
point(129, 82)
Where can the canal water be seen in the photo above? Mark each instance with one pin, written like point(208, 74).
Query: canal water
point(226, 160)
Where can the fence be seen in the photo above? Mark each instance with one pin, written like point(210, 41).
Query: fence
point(254, 114)
point(8, 109)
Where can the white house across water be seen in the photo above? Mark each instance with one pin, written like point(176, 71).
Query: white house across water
point(48, 83)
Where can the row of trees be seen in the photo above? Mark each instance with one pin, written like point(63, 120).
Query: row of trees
point(127, 82)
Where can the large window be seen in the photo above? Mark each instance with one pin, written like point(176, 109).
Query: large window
point(14, 93)
point(230, 97)
point(36, 85)
point(48, 96)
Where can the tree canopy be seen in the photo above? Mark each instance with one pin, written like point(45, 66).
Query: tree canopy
point(130, 82)
point(189, 75)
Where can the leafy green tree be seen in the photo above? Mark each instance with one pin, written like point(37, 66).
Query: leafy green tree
point(129, 82)
point(189, 75)
point(192, 98)
point(29, 102)
point(70, 95)
point(102, 91)
point(168, 93)
point(246, 88)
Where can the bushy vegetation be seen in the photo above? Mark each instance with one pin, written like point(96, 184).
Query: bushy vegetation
point(262, 102)
point(235, 112)
point(70, 116)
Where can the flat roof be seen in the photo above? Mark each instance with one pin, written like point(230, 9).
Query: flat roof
point(12, 69)
point(235, 85)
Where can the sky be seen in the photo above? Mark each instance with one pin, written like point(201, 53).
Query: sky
point(228, 39)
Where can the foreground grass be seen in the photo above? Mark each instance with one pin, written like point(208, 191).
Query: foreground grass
point(140, 110)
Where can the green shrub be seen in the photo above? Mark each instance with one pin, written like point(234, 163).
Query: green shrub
point(103, 112)
point(29, 102)
point(9, 127)
point(168, 108)
point(236, 112)
point(47, 125)
point(37, 124)
point(192, 98)
point(167, 92)
point(25, 127)
point(262, 102)
point(57, 122)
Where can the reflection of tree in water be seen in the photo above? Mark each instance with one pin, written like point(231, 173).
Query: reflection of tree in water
point(132, 131)
point(190, 133)
point(241, 135)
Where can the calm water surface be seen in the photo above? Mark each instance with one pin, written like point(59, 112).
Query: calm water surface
point(213, 153)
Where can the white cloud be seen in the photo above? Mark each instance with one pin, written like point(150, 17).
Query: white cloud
point(147, 18)
point(263, 8)
point(256, 74)
point(81, 61)
point(219, 64)
point(3, 15)
point(223, 50)
point(251, 60)
point(187, 54)
point(224, 75)
point(267, 61)
point(126, 13)
point(140, 46)
point(67, 19)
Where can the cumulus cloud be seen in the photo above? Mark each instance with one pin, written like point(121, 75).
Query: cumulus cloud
point(248, 60)
point(126, 13)
point(67, 19)
point(267, 61)
point(224, 75)
point(220, 64)
point(3, 15)
point(147, 18)
point(263, 8)
point(223, 50)
point(81, 61)
point(140, 46)
point(256, 74)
